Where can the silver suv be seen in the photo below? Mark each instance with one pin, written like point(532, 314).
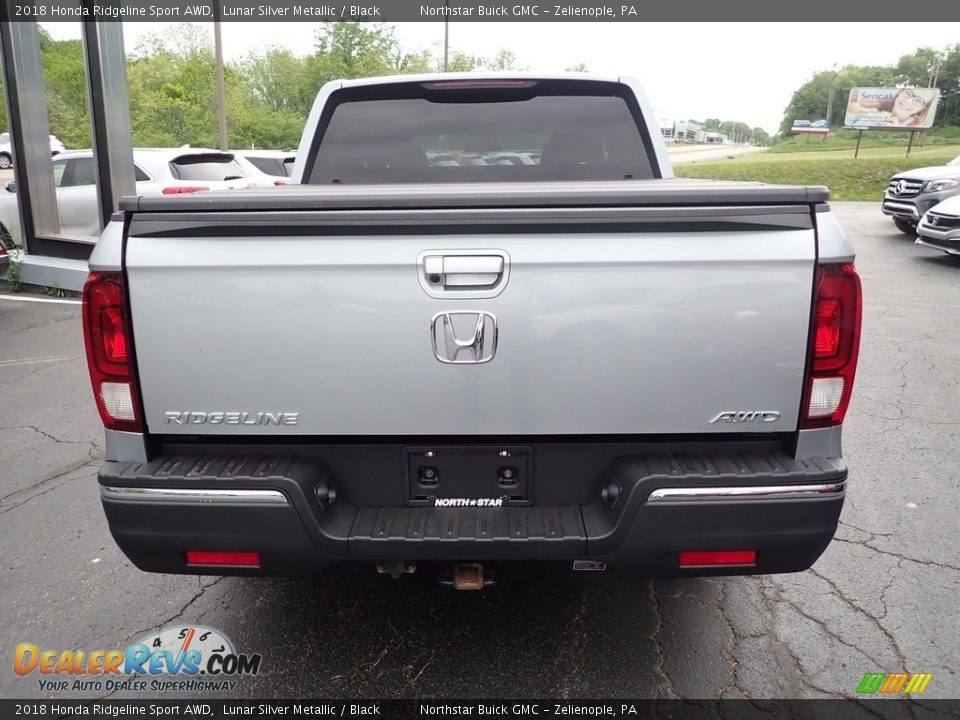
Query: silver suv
point(911, 193)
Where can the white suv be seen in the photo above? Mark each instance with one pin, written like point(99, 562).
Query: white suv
point(158, 171)
point(6, 156)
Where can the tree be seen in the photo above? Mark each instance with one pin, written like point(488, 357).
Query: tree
point(809, 101)
point(927, 67)
point(279, 79)
point(354, 49)
point(503, 60)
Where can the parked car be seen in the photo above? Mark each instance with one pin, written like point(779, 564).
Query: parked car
point(276, 163)
point(940, 227)
point(576, 359)
point(6, 155)
point(158, 171)
point(911, 193)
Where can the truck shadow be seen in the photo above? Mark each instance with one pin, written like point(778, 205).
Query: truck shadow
point(541, 631)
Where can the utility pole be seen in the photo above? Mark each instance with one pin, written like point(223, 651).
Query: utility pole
point(221, 98)
point(833, 82)
point(446, 36)
point(931, 83)
point(829, 118)
point(935, 72)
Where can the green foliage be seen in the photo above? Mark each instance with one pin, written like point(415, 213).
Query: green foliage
point(848, 179)
point(735, 129)
point(56, 291)
point(269, 93)
point(503, 60)
point(12, 275)
point(920, 68)
point(847, 140)
point(65, 81)
point(3, 106)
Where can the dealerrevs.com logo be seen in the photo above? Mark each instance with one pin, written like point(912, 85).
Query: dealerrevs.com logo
point(180, 658)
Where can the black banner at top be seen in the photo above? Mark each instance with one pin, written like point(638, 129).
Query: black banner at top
point(472, 11)
point(199, 708)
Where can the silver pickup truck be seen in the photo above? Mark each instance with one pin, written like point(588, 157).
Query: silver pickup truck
point(486, 324)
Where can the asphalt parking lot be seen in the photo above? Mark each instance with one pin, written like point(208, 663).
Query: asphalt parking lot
point(883, 598)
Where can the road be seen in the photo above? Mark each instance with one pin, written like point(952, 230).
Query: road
point(883, 598)
point(680, 154)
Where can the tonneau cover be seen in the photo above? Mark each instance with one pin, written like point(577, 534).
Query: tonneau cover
point(674, 192)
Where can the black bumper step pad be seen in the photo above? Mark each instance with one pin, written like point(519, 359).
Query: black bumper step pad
point(502, 530)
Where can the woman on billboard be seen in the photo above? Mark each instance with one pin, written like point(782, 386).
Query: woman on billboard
point(903, 107)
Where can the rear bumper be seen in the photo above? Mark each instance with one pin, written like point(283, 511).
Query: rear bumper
point(786, 510)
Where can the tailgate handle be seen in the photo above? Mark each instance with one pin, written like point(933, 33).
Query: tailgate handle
point(463, 270)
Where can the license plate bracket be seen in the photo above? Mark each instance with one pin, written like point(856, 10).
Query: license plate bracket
point(456, 476)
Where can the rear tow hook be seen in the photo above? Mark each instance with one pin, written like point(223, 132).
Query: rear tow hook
point(396, 568)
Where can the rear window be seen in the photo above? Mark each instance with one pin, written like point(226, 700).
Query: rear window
point(207, 167)
point(457, 136)
point(269, 165)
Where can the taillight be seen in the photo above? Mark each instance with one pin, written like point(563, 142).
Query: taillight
point(106, 334)
point(475, 84)
point(184, 189)
point(836, 345)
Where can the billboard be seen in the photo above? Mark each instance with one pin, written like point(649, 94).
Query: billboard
point(810, 126)
point(891, 108)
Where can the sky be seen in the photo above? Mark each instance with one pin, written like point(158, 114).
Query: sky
point(730, 71)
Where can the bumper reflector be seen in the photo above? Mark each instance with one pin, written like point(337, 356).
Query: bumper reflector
point(223, 557)
point(696, 558)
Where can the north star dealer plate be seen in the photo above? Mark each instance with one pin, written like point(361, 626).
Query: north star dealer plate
point(468, 476)
point(467, 502)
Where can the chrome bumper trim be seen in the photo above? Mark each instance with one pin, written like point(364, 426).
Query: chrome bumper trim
point(948, 250)
point(182, 496)
point(898, 209)
point(746, 492)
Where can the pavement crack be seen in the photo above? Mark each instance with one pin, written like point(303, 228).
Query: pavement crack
point(37, 430)
point(427, 664)
point(202, 589)
point(575, 625)
point(799, 677)
point(43, 368)
point(926, 563)
point(883, 593)
point(732, 650)
point(901, 658)
point(658, 643)
point(830, 633)
point(871, 533)
point(4, 508)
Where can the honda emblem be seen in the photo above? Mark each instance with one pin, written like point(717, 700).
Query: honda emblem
point(464, 337)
